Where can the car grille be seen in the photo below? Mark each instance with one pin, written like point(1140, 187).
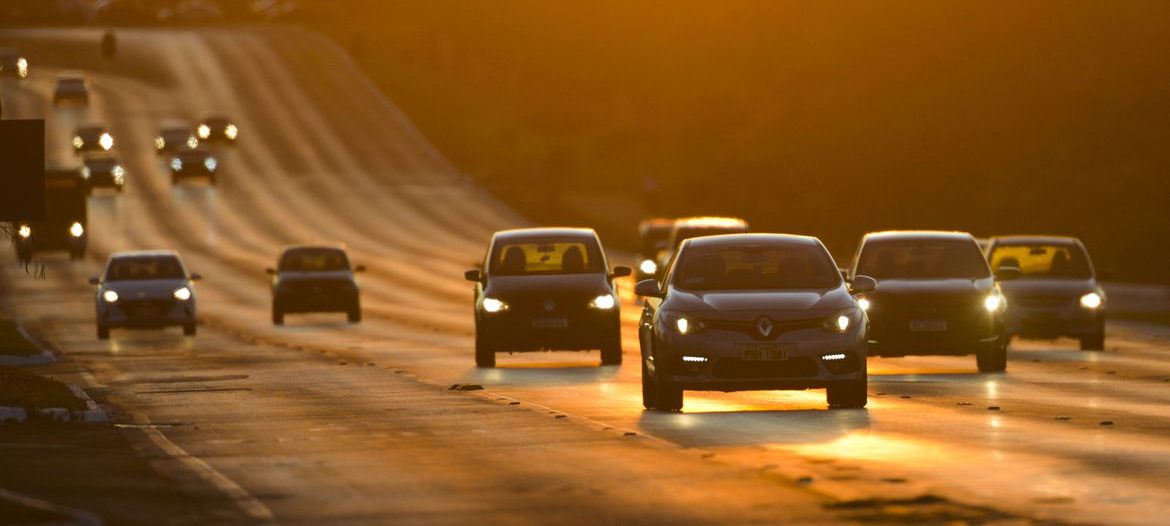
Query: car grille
point(315, 286)
point(750, 328)
point(1046, 301)
point(734, 368)
point(146, 307)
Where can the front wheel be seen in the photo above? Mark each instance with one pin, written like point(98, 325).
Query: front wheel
point(611, 351)
point(485, 355)
point(668, 395)
point(189, 329)
point(1095, 341)
point(992, 358)
point(277, 314)
point(849, 395)
point(103, 332)
point(649, 390)
point(354, 314)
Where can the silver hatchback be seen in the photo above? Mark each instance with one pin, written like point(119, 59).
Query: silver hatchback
point(145, 290)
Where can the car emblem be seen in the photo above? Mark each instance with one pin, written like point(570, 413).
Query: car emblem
point(765, 326)
point(550, 305)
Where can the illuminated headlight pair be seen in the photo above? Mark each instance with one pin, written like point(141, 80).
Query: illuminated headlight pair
point(1092, 301)
point(603, 302)
point(648, 266)
point(842, 321)
point(76, 230)
point(106, 141)
point(494, 305)
point(24, 232)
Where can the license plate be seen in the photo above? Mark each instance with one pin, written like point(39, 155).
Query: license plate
point(550, 323)
point(766, 351)
point(146, 312)
point(928, 325)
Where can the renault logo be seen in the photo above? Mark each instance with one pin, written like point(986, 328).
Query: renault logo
point(765, 326)
point(550, 305)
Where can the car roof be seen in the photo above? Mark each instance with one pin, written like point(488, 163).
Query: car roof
point(739, 240)
point(71, 75)
point(311, 246)
point(526, 233)
point(709, 221)
point(656, 222)
point(143, 253)
point(175, 124)
point(1036, 239)
point(214, 117)
point(919, 234)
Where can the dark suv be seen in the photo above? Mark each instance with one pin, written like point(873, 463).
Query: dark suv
point(935, 295)
point(314, 278)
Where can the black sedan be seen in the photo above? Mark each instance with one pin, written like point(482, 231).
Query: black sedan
point(195, 162)
point(92, 138)
point(546, 289)
point(217, 129)
point(103, 171)
point(936, 295)
point(314, 278)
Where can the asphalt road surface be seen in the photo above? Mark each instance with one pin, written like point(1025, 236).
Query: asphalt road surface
point(324, 422)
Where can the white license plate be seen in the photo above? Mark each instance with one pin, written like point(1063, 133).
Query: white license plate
point(766, 351)
point(928, 325)
point(550, 323)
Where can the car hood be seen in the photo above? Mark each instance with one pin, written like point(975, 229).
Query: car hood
point(925, 287)
point(571, 284)
point(759, 301)
point(333, 275)
point(155, 288)
point(1055, 287)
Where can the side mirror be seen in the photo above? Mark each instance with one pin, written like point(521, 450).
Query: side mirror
point(359, 268)
point(270, 271)
point(1006, 273)
point(649, 288)
point(195, 276)
point(473, 275)
point(1105, 275)
point(95, 280)
point(621, 272)
point(862, 283)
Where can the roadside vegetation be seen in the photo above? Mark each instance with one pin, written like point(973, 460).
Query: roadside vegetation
point(21, 388)
point(13, 343)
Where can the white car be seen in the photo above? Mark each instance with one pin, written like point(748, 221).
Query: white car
point(148, 289)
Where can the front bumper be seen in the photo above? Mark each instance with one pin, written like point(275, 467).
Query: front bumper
point(727, 368)
point(103, 180)
point(310, 301)
point(37, 244)
point(522, 332)
point(146, 313)
point(894, 334)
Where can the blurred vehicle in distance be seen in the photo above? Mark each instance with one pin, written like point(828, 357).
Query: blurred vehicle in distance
point(546, 289)
point(146, 289)
point(103, 170)
point(935, 295)
point(13, 64)
point(217, 129)
point(314, 278)
point(753, 312)
point(653, 236)
point(65, 222)
point(175, 136)
point(92, 138)
point(1056, 294)
point(691, 227)
point(71, 88)
point(193, 163)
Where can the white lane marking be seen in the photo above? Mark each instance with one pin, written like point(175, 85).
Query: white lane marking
point(251, 506)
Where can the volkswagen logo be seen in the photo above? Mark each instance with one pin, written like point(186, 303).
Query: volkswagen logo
point(765, 326)
point(550, 305)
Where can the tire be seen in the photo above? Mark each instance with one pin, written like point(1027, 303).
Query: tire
point(1094, 342)
point(354, 314)
point(277, 314)
point(103, 332)
point(851, 395)
point(485, 355)
point(992, 359)
point(611, 351)
point(174, 179)
point(189, 329)
point(649, 390)
point(668, 395)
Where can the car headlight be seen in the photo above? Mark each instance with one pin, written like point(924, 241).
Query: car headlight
point(1091, 300)
point(24, 231)
point(494, 305)
point(21, 67)
point(110, 296)
point(85, 172)
point(993, 302)
point(864, 304)
point(603, 302)
point(183, 294)
point(683, 324)
point(210, 163)
point(192, 142)
point(843, 320)
point(106, 141)
point(78, 142)
point(231, 131)
point(204, 131)
point(119, 174)
point(177, 164)
point(648, 266)
point(76, 230)
point(160, 143)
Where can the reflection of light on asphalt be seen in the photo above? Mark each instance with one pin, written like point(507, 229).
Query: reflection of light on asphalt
point(995, 422)
point(607, 388)
point(876, 447)
point(115, 347)
point(992, 388)
point(756, 401)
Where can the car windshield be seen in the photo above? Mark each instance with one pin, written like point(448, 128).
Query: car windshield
point(922, 259)
point(71, 83)
point(141, 268)
point(774, 267)
point(314, 260)
point(90, 131)
point(688, 232)
point(546, 256)
point(1043, 261)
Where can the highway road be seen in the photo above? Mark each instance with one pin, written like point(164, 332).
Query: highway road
point(324, 422)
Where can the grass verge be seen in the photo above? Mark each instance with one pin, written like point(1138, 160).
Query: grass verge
point(13, 343)
point(20, 388)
